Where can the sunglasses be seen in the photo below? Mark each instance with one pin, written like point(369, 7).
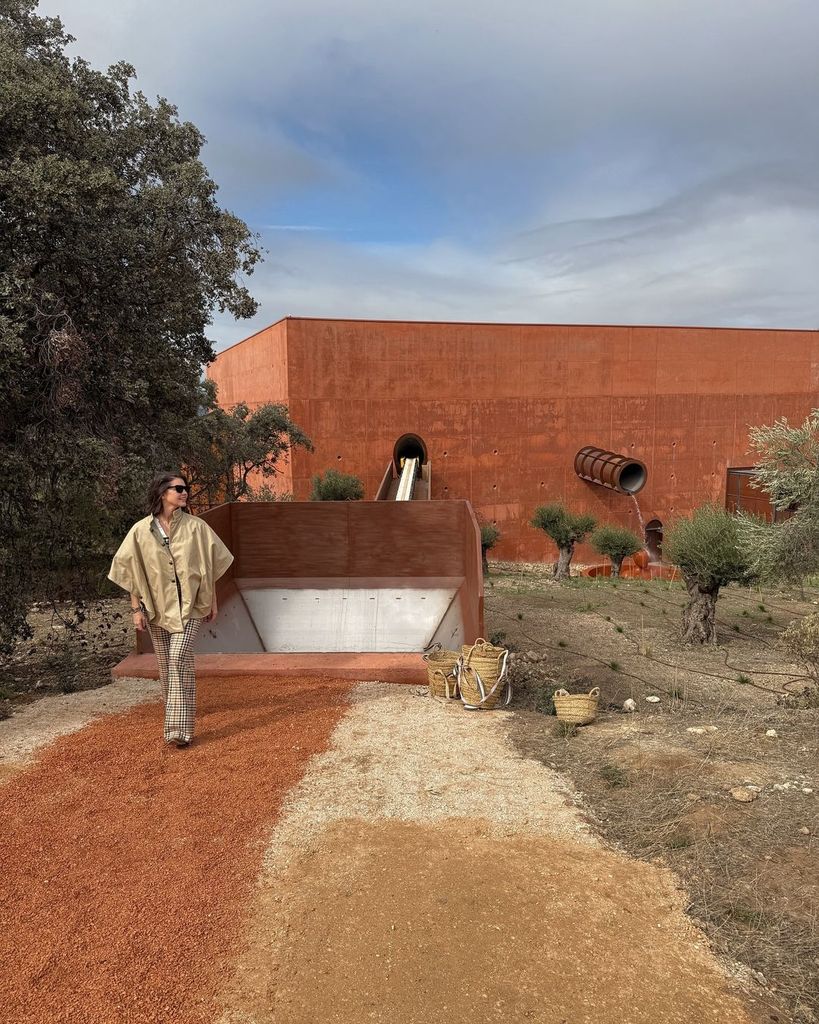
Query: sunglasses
point(179, 488)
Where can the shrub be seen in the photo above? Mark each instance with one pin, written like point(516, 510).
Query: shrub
point(336, 486)
point(801, 641)
point(617, 543)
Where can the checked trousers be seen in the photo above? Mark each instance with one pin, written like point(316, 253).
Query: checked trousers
point(174, 653)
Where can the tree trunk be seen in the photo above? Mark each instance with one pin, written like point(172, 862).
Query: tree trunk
point(484, 562)
point(564, 558)
point(616, 564)
point(700, 615)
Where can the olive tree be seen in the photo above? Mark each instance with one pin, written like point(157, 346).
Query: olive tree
point(788, 471)
point(706, 547)
point(336, 486)
point(617, 542)
point(490, 535)
point(566, 529)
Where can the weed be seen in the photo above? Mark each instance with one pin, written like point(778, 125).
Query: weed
point(677, 693)
point(561, 643)
point(643, 604)
point(679, 842)
point(608, 618)
point(770, 618)
point(565, 730)
point(520, 616)
point(735, 628)
point(614, 666)
point(742, 678)
point(497, 638)
point(613, 775)
point(745, 612)
point(762, 607)
point(618, 629)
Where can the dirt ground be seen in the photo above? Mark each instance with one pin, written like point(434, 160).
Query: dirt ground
point(373, 854)
point(662, 792)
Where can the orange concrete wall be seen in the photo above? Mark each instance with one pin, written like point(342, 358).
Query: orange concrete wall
point(255, 371)
point(504, 408)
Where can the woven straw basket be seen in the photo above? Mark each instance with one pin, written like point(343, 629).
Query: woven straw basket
point(442, 672)
point(576, 708)
point(483, 668)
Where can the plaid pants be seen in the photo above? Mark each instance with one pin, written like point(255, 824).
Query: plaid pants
point(174, 653)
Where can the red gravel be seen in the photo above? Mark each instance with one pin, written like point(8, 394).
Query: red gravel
point(126, 865)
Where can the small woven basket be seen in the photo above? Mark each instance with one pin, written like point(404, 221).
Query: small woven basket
point(442, 672)
point(481, 677)
point(576, 708)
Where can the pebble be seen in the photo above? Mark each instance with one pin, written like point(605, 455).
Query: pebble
point(805, 831)
point(696, 729)
point(653, 700)
point(629, 705)
point(807, 791)
point(772, 734)
point(744, 795)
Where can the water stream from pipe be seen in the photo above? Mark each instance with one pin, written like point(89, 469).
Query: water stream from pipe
point(642, 525)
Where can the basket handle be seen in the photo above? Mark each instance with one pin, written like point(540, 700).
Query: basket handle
point(594, 692)
point(440, 672)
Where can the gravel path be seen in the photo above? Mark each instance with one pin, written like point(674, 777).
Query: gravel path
point(37, 724)
point(423, 870)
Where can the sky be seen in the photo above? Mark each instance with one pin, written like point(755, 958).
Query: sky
point(592, 161)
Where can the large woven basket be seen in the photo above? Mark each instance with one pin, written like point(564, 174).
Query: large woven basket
point(576, 708)
point(482, 676)
point(442, 672)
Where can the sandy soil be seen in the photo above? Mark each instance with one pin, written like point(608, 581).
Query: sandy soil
point(425, 871)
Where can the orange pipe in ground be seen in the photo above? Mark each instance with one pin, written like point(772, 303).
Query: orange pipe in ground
point(126, 864)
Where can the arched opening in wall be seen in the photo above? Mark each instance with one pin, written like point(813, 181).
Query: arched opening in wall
point(409, 446)
point(654, 539)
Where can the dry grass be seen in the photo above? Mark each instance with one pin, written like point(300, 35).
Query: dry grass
point(662, 793)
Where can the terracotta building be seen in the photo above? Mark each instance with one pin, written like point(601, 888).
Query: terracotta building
point(503, 409)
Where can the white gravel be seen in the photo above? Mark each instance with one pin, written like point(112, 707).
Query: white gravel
point(400, 754)
point(39, 723)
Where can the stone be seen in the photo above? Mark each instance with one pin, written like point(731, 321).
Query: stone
point(804, 831)
point(743, 795)
point(629, 705)
point(807, 791)
point(653, 699)
point(696, 729)
point(772, 734)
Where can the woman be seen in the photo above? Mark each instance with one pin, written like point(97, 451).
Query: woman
point(169, 563)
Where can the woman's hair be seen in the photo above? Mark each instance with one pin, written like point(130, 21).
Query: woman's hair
point(157, 488)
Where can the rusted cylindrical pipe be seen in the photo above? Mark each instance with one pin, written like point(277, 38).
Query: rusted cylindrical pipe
point(617, 472)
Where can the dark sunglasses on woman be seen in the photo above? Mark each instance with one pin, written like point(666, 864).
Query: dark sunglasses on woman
point(179, 488)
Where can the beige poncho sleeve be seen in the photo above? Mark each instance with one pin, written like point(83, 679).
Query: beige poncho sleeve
point(144, 567)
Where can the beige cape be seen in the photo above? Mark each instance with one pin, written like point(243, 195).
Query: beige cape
point(144, 566)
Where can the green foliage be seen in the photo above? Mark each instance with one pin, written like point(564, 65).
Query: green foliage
point(336, 486)
point(706, 548)
point(490, 535)
point(617, 542)
point(223, 451)
point(565, 528)
point(788, 461)
point(113, 256)
point(788, 470)
point(801, 641)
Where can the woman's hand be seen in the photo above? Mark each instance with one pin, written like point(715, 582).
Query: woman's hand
point(214, 611)
point(139, 621)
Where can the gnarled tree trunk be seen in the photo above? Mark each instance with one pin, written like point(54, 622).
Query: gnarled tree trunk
point(616, 566)
point(700, 614)
point(564, 558)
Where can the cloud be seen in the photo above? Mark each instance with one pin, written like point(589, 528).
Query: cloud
point(615, 160)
